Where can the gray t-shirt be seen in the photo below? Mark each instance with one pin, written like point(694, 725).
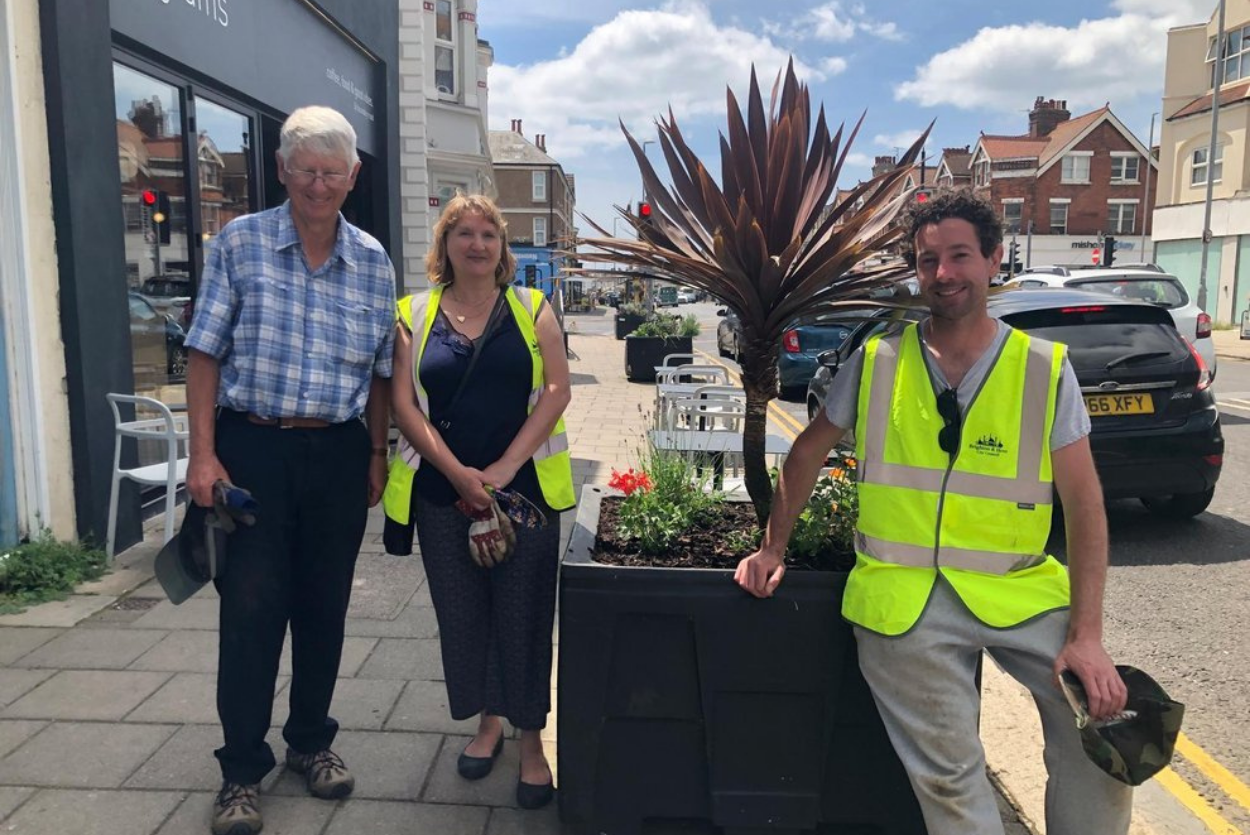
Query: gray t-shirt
point(1071, 420)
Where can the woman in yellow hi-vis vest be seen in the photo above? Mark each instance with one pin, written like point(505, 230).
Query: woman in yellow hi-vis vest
point(964, 429)
point(481, 384)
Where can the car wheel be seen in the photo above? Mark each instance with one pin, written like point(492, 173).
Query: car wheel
point(720, 349)
point(1179, 505)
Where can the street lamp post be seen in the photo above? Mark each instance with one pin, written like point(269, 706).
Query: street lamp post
point(1145, 194)
point(1216, 82)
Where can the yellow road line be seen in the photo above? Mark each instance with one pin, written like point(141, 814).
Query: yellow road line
point(1195, 803)
point(1234, 403)
point(785, 421)
point(1214, 771)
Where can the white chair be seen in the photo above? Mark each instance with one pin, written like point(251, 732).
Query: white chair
point(172, 472)
point(677, 359)
point(691, 373)
point(709, 414)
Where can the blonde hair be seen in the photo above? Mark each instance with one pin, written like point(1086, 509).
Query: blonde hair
point(321, 130)
point(438, 267)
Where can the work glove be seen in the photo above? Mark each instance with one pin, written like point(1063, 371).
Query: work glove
point(491, 535)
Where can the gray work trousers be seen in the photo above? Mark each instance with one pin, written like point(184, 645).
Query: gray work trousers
point(923, 683)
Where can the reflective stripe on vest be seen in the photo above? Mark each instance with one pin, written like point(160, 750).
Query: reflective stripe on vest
point(551, 460)
point(982, 516)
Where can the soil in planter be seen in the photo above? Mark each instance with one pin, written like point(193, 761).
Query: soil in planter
point(704, 546)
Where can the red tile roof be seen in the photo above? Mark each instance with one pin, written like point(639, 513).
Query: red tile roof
point(1202, 104)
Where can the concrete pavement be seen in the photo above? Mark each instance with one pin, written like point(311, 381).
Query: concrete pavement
point(107, 719)
point(1230, 345)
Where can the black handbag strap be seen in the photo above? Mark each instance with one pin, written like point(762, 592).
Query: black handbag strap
point(445, 422)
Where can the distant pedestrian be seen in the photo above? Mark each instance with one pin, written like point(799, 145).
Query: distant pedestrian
point(290, 347)
point(964, 428)
point(482, 386)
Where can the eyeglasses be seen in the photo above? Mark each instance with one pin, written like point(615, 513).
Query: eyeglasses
point(304, 177)
point(948, 408)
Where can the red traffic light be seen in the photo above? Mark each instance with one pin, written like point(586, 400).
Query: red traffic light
point(644, 210)
point(922, 196)
point(148, 197)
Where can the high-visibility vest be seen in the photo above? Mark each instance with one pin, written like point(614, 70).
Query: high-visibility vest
point(551, 460)
point(979, 517)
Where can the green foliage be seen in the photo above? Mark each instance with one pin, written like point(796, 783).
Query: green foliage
point(674, 502)
point(633, 309)
point(45, 569)
point(668, 326)
point(827, 523)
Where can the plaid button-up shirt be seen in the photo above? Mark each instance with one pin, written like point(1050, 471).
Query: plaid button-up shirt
point(294, 342)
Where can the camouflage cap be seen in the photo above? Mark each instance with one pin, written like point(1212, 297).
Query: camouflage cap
point(1138, 743)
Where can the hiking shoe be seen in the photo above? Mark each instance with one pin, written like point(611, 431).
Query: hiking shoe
point(236, 811)
point(324, 773)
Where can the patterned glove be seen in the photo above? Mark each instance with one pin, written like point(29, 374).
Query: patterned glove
point(489, 544)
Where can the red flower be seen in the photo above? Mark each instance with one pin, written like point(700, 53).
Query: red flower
point(629, 481)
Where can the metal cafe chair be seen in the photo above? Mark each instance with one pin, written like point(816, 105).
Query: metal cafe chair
point(172, 472)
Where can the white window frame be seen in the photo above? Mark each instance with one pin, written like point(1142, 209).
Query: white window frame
point(538, 186)
point(1195, 166)
point(1116, 227)
point(1120, 160)
point(443, 45)
point(1236, 54)
point(982, 173)
point(1017, 203)
point(1054, 202)
point(1074, 177)
point(540, 231)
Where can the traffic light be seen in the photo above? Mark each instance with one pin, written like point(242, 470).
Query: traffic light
point(1108, 251)
point(157, 205)
point(1013, 256)
point(922, 195)
point(531, 275)
point(644, 211)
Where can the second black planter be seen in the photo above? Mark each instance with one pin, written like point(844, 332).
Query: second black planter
point(627, 322)
point(681, 697)
point(644, 353)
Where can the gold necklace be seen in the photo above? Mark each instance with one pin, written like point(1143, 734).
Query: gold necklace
point(476, 309)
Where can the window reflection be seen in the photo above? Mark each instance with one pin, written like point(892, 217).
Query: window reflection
point(152, 168)
point(224, 157)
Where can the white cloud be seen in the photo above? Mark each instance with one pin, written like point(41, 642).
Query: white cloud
point(830, 24)
point(1001, 68)
point(1180, 12)
point(833, 22)
point(899, 139)
point(633, 68)
point(833, 65)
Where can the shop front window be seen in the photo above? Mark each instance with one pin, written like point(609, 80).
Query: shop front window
point(225, 165)
point(152, 166)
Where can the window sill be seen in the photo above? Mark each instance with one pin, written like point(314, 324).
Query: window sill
point(1074, 182)
point(1126, 182)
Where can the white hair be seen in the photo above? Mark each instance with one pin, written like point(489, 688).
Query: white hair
point(321, 130)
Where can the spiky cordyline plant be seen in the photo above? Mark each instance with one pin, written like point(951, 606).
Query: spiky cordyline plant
point(764, 241)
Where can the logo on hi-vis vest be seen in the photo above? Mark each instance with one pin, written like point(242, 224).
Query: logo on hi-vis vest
point(987, 445)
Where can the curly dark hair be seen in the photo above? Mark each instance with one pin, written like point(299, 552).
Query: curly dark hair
point(958, 203)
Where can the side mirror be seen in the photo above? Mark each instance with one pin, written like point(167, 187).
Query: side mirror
point(829, 359)
point(721, 311)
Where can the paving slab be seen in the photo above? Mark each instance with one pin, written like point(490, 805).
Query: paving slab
point(186, 698)
point(93, 649)
point(360, 704)
point(383, 585)
point(413, 621)
point(84, 755)
point(283, 816)
point(398, 658)
point(196, 613)
point(62, 812)
point(186, 650)
point(359, 816)
point(524, 821)
point(495, 789)
point(12, 797)
point(423, 707)
point(18, 641)
point(185, 761)
point(60, 613)
point(86, 694)
point(355, 651)
point(15, 683)
point(13, 732)
point(390, 766)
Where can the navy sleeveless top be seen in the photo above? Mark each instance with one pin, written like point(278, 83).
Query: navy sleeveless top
point(491, 409)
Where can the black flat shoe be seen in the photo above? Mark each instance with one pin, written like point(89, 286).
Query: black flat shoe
point(475, 768)
point(531, 796)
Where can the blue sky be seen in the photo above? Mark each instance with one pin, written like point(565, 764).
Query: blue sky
point(571, 68)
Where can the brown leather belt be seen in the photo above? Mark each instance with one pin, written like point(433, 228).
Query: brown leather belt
point(289, 422)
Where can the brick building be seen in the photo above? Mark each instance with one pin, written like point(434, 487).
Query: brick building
point(1069, 181)
point(536, 196)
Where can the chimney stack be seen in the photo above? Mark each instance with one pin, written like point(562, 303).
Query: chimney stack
point(1046, 115)
point(541, 141)
point(516, 126)
point(882, 165)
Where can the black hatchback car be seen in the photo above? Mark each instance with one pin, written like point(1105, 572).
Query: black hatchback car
point(1156, 430)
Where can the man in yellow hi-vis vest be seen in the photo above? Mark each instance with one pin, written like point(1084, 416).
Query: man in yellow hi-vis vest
point(964, 429)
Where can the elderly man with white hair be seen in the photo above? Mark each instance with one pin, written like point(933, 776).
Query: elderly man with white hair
point(288, 389)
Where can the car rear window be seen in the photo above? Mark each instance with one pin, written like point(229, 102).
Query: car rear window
point(1097, 335)
point(1164, 291)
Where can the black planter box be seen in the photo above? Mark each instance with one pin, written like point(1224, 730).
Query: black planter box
point(627, 322)
point(681, 697)
point(644, 353)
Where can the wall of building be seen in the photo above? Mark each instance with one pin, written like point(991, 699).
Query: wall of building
point(414, 187)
